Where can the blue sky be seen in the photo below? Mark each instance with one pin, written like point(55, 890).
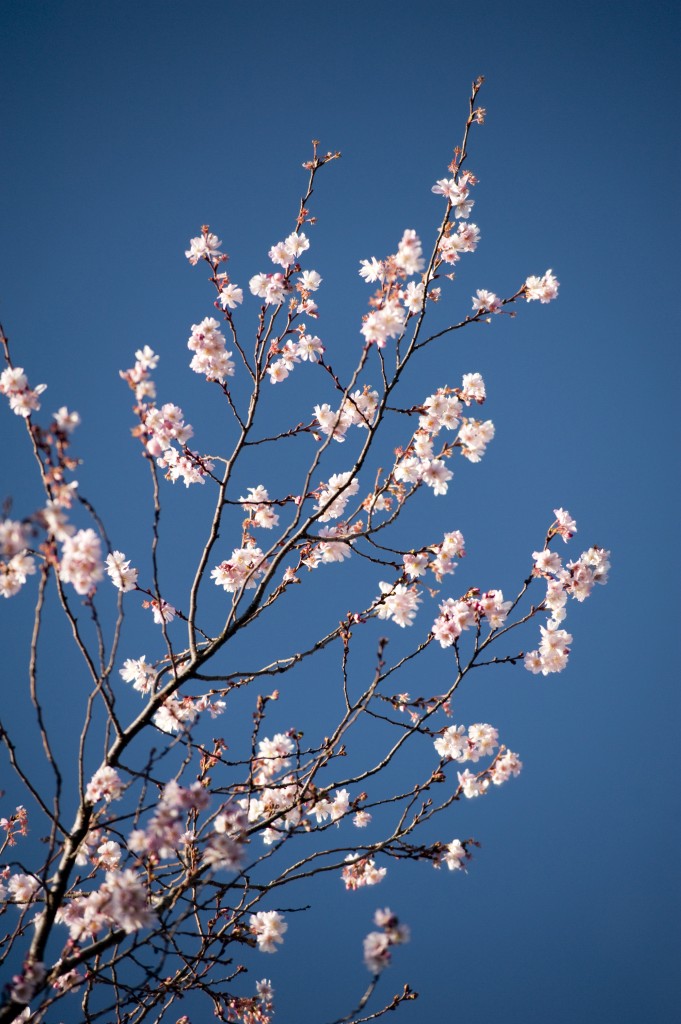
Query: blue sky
point(126, 126)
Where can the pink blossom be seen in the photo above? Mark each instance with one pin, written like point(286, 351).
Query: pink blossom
point(105, 784)
point(120, 573)
point(399, 603)
point(205, 246)
point(268, 926)
point(81, 562)
point(542, 288)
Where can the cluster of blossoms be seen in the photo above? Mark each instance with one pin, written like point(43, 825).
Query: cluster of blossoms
point(16, 565)
point(358, 410)
point(454, 855)
point(306, 348)
point(140, 673)
point(259, 508)
point(334, 496)
point(542, 289)
point(243, 569)
point(456, 744)
point(22, 399)
point(377, 944)
point(334, 544)
point(576, 579)
point(81, 561)
point(15, 825)
point(211, 357)
point(122, 901)
point(481, 740)
point(360, 871)
point(393, 307)
point(419, 464)
point(467, 612)
point(165, 832)
point(249, 1010)
point(205, 247)
point(161, 427)
point(105, 784)
point(268, 926)
point(177, 713)
point(398, 602)
point(442, 563)
point(24, 985)
point(22, 888)
point(121, 575)
point(226, 845)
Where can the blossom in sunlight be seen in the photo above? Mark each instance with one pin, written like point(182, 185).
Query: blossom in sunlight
point(399, 603)
point(81, 562)
point(120, 573)
point(543, 289)
point(105, 784)
point(204, 246)
point(268, 926)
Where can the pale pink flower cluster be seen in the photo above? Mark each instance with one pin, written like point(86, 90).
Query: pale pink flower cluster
point(164, 833)
point(576, 580)
point(334, 809)
point(464, 239)
point(230, 295)
point(389, 317)
point(454, 856)
point(358, 409)
point(281, 800)
point(286, 253)
point(177, 713)
point(138, 672)
point(442, 564)
point(19, 565)
point(486, 302)
point(504, 767)
point(543, 289)
point(466, 612)
point(360, 871)
point(23, 888)
point(377, 944)
point(268, 926)
point(138, 377)
point(226, 845)
point(162, 611)
point(398, 602)
point(122, 901)
point(211, 357)
point(273, 756)
point(341, 487)
point(307, 348)
point(189, 467)
point(334, 544)
point(120, 573)
point(457, 193)
point(243, 569)
point(455, 744)
point(22, 399)
point(259, 507)
point(384, 323)
point(473, 438)
point(163, 426)
point(81, 561)
point(564, 526)
point(205, 247)
point(24, 985)
point(105, 784)
point(270, 287)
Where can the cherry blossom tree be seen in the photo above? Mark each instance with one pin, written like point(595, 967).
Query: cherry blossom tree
point(167, 852)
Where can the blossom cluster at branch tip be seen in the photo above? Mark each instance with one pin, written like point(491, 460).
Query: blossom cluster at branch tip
point(268, 926)
point(81, 561)
point(211, 358)
point(121, 575)
point(377, 945)
point(22, 399)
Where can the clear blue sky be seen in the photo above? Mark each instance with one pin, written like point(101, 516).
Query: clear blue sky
point(126, 126)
